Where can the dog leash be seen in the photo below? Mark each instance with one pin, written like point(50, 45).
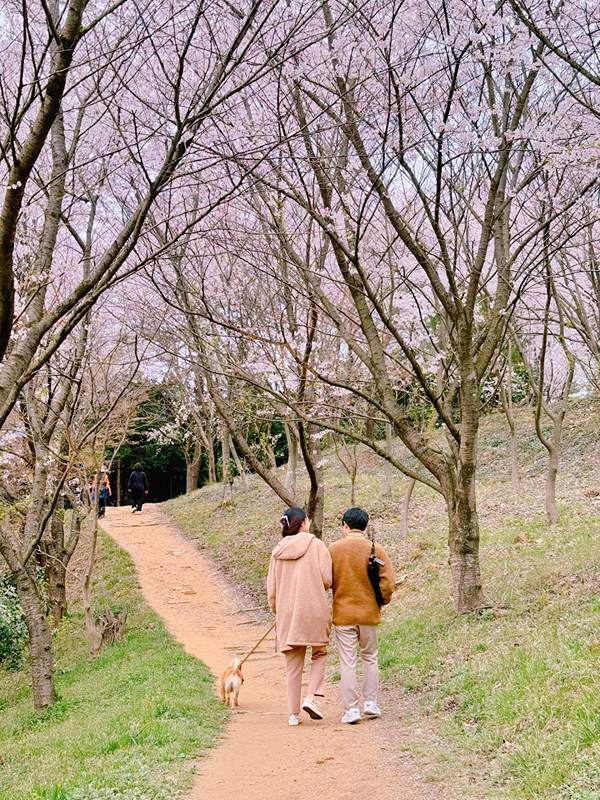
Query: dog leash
point(256, 645)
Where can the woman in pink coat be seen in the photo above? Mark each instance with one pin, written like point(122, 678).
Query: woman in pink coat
point(298, 579)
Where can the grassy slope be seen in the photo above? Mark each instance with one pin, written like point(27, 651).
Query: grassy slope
point(514, 698)
point(125, 726)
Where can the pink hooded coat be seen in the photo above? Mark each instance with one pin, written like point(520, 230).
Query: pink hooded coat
point(299, 576)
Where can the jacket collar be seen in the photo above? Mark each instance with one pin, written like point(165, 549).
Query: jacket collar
point(355, 534)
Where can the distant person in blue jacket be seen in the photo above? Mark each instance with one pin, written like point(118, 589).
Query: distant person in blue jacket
point(138, 488)
point(101, 479)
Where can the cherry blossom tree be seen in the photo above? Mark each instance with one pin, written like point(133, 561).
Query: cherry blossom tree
point(110, 112)
point(132, 122)
point(568, 30)
point(412, 151)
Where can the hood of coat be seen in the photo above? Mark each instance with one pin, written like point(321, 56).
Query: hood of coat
point(291, 548)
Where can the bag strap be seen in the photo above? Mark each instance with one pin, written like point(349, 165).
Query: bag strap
point(373, 573)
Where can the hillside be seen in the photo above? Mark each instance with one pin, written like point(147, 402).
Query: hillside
point(509, 697)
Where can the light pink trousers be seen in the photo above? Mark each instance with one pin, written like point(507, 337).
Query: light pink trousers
point(349, 639)
point(294, 664)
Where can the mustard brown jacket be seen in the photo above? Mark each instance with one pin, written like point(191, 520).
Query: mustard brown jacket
point(353, 597)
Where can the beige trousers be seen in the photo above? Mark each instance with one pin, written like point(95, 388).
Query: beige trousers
point(349, 639)
point(294, 664)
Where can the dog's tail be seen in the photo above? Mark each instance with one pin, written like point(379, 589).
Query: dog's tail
point(235, 663)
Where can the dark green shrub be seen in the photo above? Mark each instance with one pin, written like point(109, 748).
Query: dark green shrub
point(13, 631)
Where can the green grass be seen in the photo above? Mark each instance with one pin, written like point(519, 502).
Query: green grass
point(519, 692)
point(512, 700)
point(126, 726)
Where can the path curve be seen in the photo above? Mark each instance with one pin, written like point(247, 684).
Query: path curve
point(260, 757)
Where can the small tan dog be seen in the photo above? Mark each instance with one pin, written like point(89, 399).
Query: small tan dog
point(230, 683)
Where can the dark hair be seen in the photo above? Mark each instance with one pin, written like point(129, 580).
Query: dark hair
point(138, 467)
point(292, 520)
point(356, 519)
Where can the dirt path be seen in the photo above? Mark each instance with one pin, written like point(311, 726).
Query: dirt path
point(261, 757)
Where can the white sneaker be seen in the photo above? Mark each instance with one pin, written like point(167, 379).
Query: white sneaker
point(351, 716)
point(133, 510)
point(310, 706)
point(295, 719)
point(371, 710)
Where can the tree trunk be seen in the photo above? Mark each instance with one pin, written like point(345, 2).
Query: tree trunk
point(463, 540)
point(93, 631)
point(316, 510)
point(388, 467)
point(238, 464)
point(54, 554)
point(118, 486)
point(553, 447)
point(56, 575)
point(316, 501)
point(192, 469)
point(48, 556)
point(514, 462)
point(226, 463)
point(40, 639)
point(458, 486)
point(270, 452)
point(405, 506)
point(551, 507)
point(290, 472)
point(212, 466)
point(57, 593)
point(507, 404)
point(56, 567)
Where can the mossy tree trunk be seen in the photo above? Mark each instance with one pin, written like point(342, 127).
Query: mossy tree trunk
point(34, 612)
point(54, 554)
point(40, 639)
point(463, 541)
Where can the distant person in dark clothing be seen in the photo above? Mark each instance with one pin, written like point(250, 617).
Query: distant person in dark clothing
point(138, 488)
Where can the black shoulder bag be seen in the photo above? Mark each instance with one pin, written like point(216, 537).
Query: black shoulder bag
point(373, 565)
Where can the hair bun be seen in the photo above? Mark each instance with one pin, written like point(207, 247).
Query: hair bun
point(284, 522)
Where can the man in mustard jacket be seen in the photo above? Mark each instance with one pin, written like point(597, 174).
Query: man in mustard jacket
point(356, 613)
